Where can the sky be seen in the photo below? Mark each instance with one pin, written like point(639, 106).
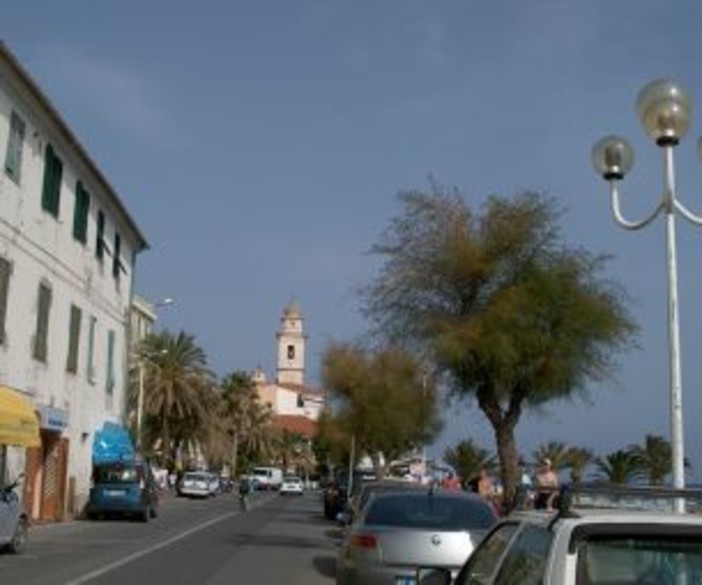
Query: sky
point(260, 146)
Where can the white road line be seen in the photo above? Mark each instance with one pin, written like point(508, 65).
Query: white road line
point(128, 559)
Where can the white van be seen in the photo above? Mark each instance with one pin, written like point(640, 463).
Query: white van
point(267, 478)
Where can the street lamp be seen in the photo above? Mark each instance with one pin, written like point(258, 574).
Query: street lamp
point(665, 110)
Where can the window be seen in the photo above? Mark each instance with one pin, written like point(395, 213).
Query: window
point(73, 339)
point(91, 349)
point(80, 213)
point(99, 236)
point(15, 142)
point(525, 563)
point(300, 400)
point(291, 352)
point(5, 271)
point(110, 378)
point(53, 172)
point(41, 334)
point(116, 264)
point(485, 560)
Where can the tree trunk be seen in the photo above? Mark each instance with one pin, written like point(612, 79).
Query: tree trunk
point(235, 454)
point(509, 462)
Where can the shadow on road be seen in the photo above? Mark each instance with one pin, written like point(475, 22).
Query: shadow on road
point(326, 566)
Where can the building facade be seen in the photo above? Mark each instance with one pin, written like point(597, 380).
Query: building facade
point(68, 248)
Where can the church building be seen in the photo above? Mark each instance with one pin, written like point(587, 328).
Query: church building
point(295, 405)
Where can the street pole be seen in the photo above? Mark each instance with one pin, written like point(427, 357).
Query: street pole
point(665, 110)
point(140, 403)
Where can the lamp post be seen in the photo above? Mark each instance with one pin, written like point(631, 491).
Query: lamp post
point(665, 110)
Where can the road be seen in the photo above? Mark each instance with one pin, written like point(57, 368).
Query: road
point(193, 542)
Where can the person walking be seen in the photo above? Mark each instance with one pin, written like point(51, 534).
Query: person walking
point(245, 489)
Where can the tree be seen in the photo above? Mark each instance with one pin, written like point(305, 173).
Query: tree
point(578, 459)
point(467, 459)
point(655, 457)
point(239, 410)
point(385, 400)
point(178, 391)
point(620, 467)
point(556, 451)
point(511, 316)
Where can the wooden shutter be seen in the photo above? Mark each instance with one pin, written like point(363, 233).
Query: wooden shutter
point(5, 270)
point(42, 332)
point(73, 339)
point(15, 141)
point(80, 214)
point(110, 362)
point(53, 173)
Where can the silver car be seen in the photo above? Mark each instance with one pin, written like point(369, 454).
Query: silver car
point(397, 532)
point(13, 520)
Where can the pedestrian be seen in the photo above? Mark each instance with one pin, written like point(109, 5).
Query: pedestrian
point(482, 484)
point(546, 485)
point(451, 482)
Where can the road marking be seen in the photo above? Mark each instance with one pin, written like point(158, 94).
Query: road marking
point(137, 555)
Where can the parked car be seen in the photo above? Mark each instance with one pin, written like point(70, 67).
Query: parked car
point(598, 536)
point(123, 488)
point(335, 496)
point(14, 523)
point(365, 490)
point(399, 531)
point(292, 484)
point(195, 484)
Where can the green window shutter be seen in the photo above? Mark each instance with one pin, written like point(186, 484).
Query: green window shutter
point(42, 331)
point(80, 214)
point(91, 350)
point(53, 173)
point(110, 378)
point(99, 236)
point(73, 339)
point(5, 271)
point(116, 255)
point(15, 143)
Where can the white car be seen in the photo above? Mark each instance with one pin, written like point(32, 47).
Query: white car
point(623, 536)
point(195, 484)
point(292, 484)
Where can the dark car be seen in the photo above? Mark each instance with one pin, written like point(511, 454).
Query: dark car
point(123, 488)
point(336, 493)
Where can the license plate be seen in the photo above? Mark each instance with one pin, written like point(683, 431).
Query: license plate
point(401, 580)
point(114, 493)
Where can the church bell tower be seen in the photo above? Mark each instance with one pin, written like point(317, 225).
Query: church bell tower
point(291, 347)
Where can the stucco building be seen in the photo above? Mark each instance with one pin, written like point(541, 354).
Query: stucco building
point(68, 248)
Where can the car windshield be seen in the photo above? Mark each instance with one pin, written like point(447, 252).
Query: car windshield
point(116, 474)
point(430, 511)
point(649, 559)
point(291, 479)
point(196, 477)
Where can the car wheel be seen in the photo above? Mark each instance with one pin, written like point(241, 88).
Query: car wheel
point(19, 538)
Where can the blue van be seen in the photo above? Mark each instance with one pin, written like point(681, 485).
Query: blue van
point(123, 488)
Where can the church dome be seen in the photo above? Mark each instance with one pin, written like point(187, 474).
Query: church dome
point(292, 311)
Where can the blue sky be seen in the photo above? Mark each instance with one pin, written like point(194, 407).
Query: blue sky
point(260, 146)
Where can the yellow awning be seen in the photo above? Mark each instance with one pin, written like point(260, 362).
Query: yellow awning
point(19, 424)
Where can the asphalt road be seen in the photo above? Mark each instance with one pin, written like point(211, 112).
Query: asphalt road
point(193, 542)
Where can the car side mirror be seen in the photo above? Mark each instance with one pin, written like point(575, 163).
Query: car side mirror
point(432, 576)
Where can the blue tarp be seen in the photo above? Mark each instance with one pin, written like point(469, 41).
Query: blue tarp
point(112, 443)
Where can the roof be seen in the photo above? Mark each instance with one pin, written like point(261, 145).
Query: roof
point(72, 141)
point(293, 423)
point(300, 389)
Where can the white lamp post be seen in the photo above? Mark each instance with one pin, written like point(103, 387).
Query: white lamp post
point(665, 110)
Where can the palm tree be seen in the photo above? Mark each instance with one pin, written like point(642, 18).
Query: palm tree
point(620, 467)
point(178, 390)
point(240, 404)
point(467, 459)
point(556, 451)
point(655, 457)
point(577, 459)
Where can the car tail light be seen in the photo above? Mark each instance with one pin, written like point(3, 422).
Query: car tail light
point(364, 541)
